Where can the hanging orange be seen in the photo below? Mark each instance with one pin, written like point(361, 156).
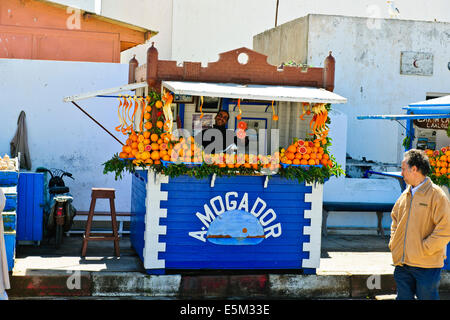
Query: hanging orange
point(154, 137)
point(155, 146)
point(147, 115)
point(292, 149)
point(158, 104)
point(123, 155)
point(145, 155)
point(126, 149)
point(155, 155)
point(159, 124)
point(148, 125)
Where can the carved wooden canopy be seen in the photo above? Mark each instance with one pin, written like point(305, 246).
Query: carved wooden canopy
point(242, 66)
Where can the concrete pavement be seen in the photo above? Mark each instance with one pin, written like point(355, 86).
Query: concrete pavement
point(351, 267)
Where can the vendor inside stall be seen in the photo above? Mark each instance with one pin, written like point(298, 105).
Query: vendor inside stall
point(220, 139)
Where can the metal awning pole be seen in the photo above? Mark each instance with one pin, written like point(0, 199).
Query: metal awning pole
point(96, 122)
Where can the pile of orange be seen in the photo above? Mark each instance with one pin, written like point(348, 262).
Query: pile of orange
point(439, 161)
point(185, 151)
point(146, 147)
point(249, 161)
point(306, 153)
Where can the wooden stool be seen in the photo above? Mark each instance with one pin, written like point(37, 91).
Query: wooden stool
point(101, 193)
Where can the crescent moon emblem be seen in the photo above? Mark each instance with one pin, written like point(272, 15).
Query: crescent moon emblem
point(415, 63)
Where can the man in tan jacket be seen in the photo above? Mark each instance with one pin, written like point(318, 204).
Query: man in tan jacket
point(420, 231)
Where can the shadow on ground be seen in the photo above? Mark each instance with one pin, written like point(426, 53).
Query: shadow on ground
point(353, 243)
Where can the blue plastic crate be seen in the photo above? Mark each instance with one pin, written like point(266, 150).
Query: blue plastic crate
point(9, 221)
point(8, 178)
point(10, 244)
point(11, 202)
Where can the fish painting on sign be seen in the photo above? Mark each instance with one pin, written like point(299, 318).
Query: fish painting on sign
point(236, 227)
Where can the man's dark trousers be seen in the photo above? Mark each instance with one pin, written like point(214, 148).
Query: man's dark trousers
point(422, 282)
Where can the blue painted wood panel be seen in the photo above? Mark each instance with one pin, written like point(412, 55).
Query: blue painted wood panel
point(11, 202)
point(188, 196)
point(137, 219)
point(30, 206)
point(8, 178)
point(9, 221)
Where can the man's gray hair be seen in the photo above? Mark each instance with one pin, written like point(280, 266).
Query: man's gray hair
point(418, 158)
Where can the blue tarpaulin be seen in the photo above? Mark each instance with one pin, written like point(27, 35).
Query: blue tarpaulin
point(437, 108)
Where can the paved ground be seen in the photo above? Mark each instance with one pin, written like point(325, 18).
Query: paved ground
point(355, 254)
point(340, 254)
point(99, 257)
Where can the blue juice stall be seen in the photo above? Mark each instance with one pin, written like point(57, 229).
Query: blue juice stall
point(254, 221)
point(232, 223)
point(241, 222)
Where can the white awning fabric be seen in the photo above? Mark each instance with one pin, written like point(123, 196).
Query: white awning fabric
point(403, 116)
point(126, 87)
point(254, 92)
point(436, 102)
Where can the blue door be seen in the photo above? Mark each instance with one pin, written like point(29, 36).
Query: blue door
point(30, 206)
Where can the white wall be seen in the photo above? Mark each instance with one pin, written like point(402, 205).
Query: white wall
point(88, 5)
point(368, 75)
point(204, 28)
point(59, 134)
point(155, 15)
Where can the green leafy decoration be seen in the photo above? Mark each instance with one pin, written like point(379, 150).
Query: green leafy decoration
point(118, 166)
point(301, 174)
